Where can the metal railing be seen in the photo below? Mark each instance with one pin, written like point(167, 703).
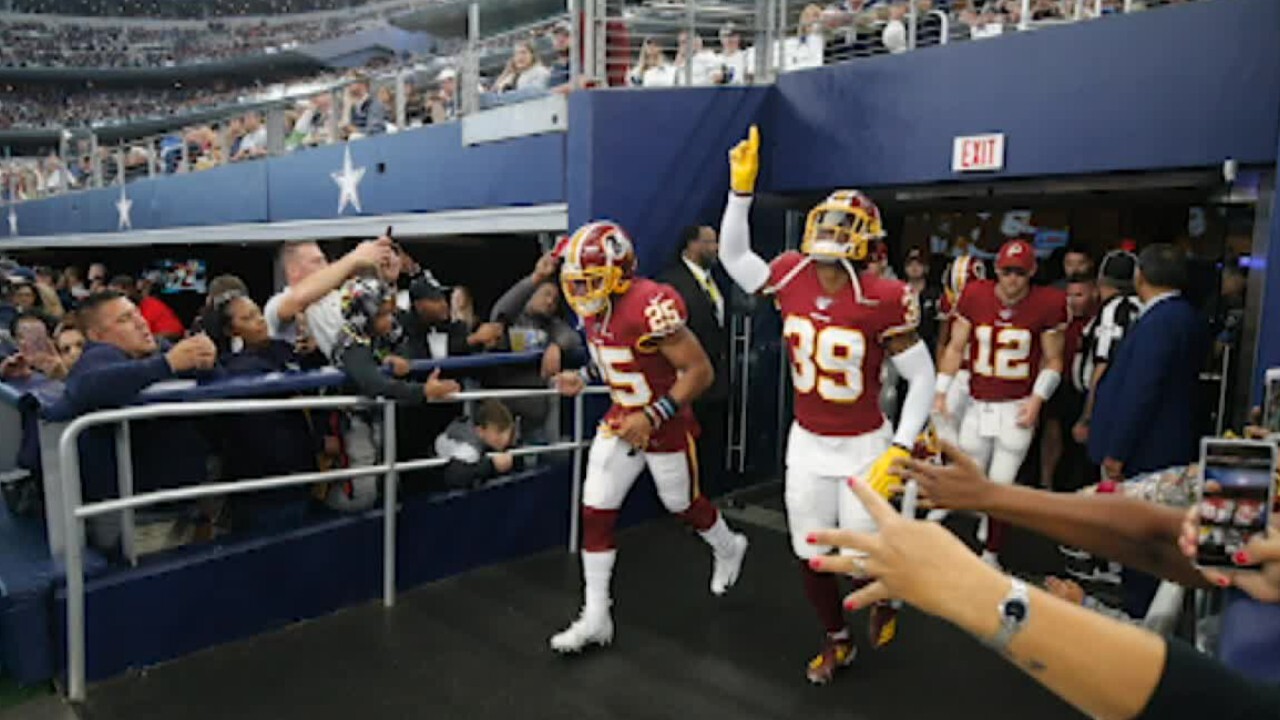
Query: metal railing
point(659, 44)
point(77, 512)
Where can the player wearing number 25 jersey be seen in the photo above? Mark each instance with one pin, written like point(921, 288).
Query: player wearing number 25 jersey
point(654, 368)
point(1011, 333)
point(840, 323)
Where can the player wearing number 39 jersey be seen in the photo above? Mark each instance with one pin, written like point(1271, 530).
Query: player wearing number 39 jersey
point(840, 323)
point(654, 368)
point(1011, 334)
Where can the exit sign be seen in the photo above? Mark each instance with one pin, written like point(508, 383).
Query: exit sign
point(978, 153)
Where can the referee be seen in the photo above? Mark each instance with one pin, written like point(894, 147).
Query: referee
point(1103, 333)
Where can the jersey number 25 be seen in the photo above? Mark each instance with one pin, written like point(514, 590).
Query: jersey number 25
point(828, 361)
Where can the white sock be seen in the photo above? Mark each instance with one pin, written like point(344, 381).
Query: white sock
point(597, 571)
point(719, 536)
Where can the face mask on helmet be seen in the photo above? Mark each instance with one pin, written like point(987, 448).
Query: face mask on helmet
point(587, 290)
point(838, 231)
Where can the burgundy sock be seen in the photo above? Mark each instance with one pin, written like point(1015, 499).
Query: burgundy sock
point(995, 535)
point(824, 595)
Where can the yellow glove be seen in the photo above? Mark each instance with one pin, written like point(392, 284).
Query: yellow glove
point(881, 478)
point(744, 163)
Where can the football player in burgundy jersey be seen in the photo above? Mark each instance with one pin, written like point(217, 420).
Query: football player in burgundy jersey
point(1011, 333)
point(958, 274)
point(840, 323)
point(654, 367)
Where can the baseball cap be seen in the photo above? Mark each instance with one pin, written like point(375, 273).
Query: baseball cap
point(1016, 254)
point(425, 289)
point(562, 27)
point(1118, 267)
point(447, 74)
point(728, 29)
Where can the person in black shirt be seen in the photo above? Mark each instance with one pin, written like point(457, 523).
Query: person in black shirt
point(428, 331)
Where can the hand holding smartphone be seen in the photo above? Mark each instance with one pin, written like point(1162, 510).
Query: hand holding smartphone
point(1236, 498)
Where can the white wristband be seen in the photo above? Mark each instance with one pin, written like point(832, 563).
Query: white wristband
point(1046, 383)
point(943, 383)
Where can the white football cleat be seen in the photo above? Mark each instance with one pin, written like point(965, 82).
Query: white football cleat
point(595, 628)
point(727, 568)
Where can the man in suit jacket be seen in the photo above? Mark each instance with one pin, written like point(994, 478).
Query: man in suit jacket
point(1144, 416)
point(1144, 413)
point(691, 275)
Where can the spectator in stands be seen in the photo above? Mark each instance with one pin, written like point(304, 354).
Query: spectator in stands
point(369, 334)
point(312, 291)
point(312, 125)
point(703, 62)
point(97, 277)
point(561, 40)
point(530, 313)
point(462, 307)
point(1226, 314)
point(265, 444)
point(161, 318)
point(429, 332)
point(253, 142)
point(36, 349)
point(69, 341)
point(894, 36)
point(364, 113)
point(651, 68)
point(732, 60)
point(524, 71)
point(386, 98)
point(476, 447)
point(442, 105)
point(121, 359)
point(71, 287)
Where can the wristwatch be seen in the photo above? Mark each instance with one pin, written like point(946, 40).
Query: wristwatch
point(1014, 610)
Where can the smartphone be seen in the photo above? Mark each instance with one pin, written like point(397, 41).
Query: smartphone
point(1236, 498)
point(33, 340)
point(1271, 401)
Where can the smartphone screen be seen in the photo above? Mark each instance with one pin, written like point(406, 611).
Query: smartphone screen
point(1236, 500)
point(33, 340)
point(1271, 401)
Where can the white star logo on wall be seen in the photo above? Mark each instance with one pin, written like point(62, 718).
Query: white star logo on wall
point(348, 183)
point(123, 206)
point(13, 221)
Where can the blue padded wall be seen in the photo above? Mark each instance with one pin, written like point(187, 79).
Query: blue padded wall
point(1169, 88)
point(654, 160)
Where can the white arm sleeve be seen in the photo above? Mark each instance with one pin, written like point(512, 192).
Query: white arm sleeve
point(915, 365)
point(747, 269)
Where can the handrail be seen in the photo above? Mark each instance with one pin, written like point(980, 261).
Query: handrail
point(75, 512)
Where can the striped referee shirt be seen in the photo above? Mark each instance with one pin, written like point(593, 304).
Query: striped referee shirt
point(1102, 336)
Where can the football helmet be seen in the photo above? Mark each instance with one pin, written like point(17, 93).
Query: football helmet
point(599, 261)
point(842, 226)
point(958, 274)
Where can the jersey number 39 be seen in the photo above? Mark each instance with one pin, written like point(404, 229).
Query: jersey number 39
point(826, 361)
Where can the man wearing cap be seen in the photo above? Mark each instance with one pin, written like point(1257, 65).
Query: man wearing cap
point(1103, 333)
point(1012, 333)
point(916, 270)
point(732, 61)
point(562, 40)
point(429, 333)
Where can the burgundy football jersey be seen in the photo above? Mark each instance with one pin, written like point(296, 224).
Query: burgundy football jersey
point(837, 343)
point(624, 347)
point(1004, 340)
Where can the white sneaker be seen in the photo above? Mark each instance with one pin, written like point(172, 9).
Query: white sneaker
point(991, 559)
point(594, 628)
point(937, 515)
point(727, 568)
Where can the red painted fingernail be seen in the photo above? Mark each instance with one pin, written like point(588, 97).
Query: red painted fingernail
point(1241, 558)
point(1223, 582)
point(815, 563)
point(853, 481)
point(850, 604)
point(811, 538)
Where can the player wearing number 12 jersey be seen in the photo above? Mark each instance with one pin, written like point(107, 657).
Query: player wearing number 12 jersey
point(654, 367)
point(840, 323)
point(1011, 333)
